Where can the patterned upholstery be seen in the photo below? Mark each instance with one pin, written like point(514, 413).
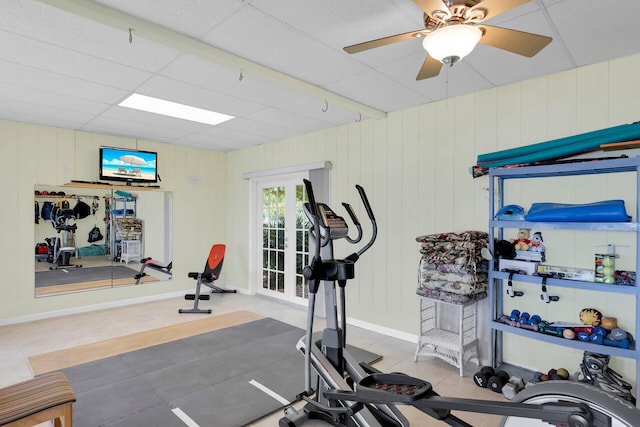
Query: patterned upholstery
point(47, 397)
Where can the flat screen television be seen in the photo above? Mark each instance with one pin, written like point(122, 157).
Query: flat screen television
point(127, 165)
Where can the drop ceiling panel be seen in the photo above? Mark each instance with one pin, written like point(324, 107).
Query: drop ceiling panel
point(377, 90)
point(194, 17)
point(296, 54)
point(54, 27)
point(114, 126)
point(136, 117)
point(61, 69)
point(595, 31)
point(235, 82)
point(189, 94)
point(316, 109)
point(515, 67)
point(36, 112)
point(287, 120)
point(338, 23)
point(39, 80)
point(267, 130)
point(43, 56)
point(63, 103)
point(228, 133)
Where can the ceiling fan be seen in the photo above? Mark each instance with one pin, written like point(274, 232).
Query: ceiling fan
point(452, 28)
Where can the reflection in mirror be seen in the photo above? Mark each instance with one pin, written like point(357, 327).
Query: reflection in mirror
point(96, 237)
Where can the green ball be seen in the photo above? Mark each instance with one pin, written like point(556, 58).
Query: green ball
point(563, 373)
point(608, 271)
point(607, 261)
point(609, 279)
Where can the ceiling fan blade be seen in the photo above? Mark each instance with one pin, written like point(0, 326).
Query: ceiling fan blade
point(428, 6)
point(525, 44)
point(355, 48)
point(496, 7)
point(430, 68)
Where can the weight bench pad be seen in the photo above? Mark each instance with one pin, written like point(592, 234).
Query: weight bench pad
point(31, 397)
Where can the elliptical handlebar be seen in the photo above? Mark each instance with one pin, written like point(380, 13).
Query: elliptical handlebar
point(313, 209)
point(365, 202)
point(372, 218)
point(356, 222)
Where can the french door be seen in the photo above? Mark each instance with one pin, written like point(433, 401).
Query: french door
point(282, 238)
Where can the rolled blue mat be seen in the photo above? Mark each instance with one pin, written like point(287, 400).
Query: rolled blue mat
point(581, 145)
point(611, 134)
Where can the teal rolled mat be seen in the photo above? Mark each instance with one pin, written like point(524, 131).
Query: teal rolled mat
point(580, 144)
point(572, 144)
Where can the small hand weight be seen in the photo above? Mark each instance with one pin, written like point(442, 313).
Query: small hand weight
point(498, 381)
point(481, 378)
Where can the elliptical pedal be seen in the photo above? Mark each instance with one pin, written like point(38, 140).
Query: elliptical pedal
point(376, 388)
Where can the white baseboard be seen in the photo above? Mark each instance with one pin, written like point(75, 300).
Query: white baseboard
point(381, 329)
point(85, 308)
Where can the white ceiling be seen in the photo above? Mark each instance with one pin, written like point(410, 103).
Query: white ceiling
point(287, 74)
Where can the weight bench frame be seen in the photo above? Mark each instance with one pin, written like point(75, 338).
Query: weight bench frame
point(211, 273)
point(155, 265)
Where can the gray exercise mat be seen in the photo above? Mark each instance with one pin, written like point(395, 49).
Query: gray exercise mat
point(66, 275)
point(206, 376)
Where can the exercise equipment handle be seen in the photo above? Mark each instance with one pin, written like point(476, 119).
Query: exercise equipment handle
point(313, 206)
point(374, 232)
point(366, 203)
point(351, 213)
point(312, 272)
point(356, 222)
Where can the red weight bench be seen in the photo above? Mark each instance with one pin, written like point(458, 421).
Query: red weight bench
point(211, 273)
point(155, 265)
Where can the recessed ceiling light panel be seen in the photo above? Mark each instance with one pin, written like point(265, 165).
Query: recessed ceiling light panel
point(174, 109)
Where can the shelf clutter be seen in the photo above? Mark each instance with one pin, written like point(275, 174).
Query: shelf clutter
point(596, 335)
point(452, 276)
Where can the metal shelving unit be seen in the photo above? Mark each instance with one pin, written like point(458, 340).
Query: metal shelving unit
point(497, 178)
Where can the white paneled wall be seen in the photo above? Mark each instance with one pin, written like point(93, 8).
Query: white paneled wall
point(415, 167)
point(33, 154)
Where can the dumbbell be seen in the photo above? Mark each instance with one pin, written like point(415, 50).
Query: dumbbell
point(481, 378)
point(524, 318)
point(534, 320)
point(513, 387)
point(599, 339)
point(498, 381)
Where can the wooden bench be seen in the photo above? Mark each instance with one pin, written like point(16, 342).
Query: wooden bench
point(45, 398)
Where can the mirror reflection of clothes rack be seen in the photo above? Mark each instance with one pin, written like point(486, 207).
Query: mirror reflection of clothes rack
point(151, 229)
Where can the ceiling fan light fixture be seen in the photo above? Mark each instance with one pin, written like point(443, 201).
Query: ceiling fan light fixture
point(452, 43)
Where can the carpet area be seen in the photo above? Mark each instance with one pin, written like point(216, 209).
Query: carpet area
point(81, 275)
point(207, 376)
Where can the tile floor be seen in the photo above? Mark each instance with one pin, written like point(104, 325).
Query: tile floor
point(46, 335)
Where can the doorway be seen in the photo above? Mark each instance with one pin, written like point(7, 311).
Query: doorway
point(283, 248)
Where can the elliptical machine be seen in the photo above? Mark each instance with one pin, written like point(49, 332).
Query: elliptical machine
point(62, 247)
point(352, 394)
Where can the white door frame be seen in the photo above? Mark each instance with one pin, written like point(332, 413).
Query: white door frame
point(292, 179)
point(317, 172)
